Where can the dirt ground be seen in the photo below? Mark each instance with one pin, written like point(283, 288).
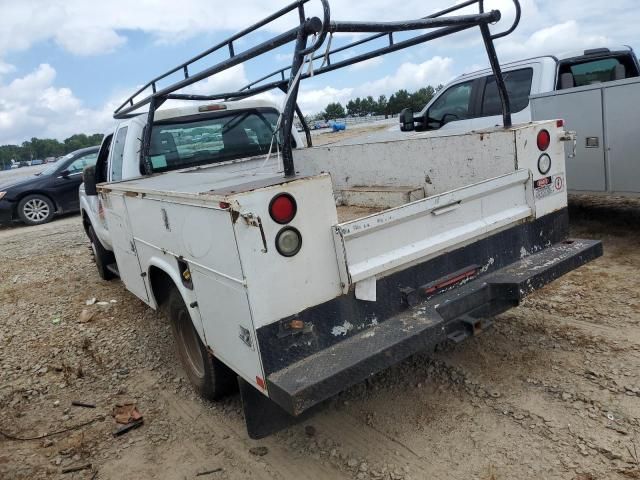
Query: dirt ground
point(550, 392)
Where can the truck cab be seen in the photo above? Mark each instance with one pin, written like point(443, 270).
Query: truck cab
point(185, 136)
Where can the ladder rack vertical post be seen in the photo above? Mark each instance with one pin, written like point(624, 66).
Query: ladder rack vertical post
point(289, 108)
point(497, 73)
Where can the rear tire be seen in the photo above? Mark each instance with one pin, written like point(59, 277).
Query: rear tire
point(101, 255)
point(36, 209)
point(211, 378)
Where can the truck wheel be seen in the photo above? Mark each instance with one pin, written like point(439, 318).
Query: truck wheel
point(211, 378)
point(102, 256)
point(36, 209)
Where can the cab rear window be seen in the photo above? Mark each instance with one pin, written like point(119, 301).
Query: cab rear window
point(211, 139)
point(595, 71)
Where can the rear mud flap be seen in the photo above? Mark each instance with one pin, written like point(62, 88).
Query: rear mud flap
point(263, 416)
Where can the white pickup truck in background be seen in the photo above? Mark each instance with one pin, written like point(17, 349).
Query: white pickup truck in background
point(302, 272)
point(594, 91)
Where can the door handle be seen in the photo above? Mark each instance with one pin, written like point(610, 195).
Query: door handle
point(571, 137)
point(255, 221)
point(445, 209)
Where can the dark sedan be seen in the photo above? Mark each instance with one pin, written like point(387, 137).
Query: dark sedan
point(53, 191)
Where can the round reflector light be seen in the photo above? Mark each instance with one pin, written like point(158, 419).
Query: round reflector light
point(544, 140)
point(283, 208)
point(288, 242)
point(544, 164)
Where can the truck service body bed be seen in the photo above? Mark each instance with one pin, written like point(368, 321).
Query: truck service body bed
point(431, 257)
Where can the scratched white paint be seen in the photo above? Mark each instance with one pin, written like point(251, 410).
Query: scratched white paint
point(341, 330)
point(488, 265)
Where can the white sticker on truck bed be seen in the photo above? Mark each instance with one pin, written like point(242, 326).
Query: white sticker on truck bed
point(547, 186)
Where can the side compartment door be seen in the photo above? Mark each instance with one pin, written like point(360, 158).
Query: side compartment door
point(209, 244)
point(124, 247)
point(202, 236)
point(582, 113)
point(622, 139)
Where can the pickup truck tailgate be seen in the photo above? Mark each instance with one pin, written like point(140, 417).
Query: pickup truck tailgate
point(417, 231)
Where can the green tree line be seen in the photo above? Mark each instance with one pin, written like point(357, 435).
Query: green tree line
point(45, 147)
point(400, 100)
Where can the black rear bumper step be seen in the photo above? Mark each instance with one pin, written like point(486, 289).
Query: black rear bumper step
point(313, 379)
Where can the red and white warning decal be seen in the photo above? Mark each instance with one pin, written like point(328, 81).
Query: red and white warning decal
point(547, 186)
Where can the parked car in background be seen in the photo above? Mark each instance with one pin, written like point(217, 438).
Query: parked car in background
point(53, 191)
point(37, 161)
point(592, 90)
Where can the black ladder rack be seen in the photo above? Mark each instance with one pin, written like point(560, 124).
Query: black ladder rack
point(439, 24)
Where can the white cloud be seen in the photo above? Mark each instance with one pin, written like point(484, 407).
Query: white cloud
point(90, 27)
point(227, 81)
point(558, 38)
point(89, 41)
point(315, 100)
point(371, 63)
point(32, 106)
point(6, 68)
point(412, 76)
point(87, 27)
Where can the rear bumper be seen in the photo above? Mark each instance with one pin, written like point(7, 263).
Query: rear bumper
point(451, 315)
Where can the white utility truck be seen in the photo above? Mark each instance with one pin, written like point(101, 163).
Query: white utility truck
point(592, 90)
point(301, 272)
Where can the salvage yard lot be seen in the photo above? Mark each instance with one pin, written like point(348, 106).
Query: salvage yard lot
point(550, 392)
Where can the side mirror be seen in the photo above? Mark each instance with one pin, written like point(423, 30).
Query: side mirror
point(407, 122)
point(89, 179)
point(65, 173)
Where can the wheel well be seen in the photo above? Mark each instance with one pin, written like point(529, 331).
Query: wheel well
point(161, 284)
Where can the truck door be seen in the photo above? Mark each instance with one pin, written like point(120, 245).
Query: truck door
point(120, 230)
point(453, 109)
point(582, 112)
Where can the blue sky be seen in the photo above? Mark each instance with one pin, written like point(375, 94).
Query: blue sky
point(65, 64)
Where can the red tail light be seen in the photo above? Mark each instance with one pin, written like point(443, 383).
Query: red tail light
point(283, 208)
point(544, 140)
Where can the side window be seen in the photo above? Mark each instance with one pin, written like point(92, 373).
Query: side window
point(118, 154)
point(518, 83)
point(454, 104)
point(78, 165)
